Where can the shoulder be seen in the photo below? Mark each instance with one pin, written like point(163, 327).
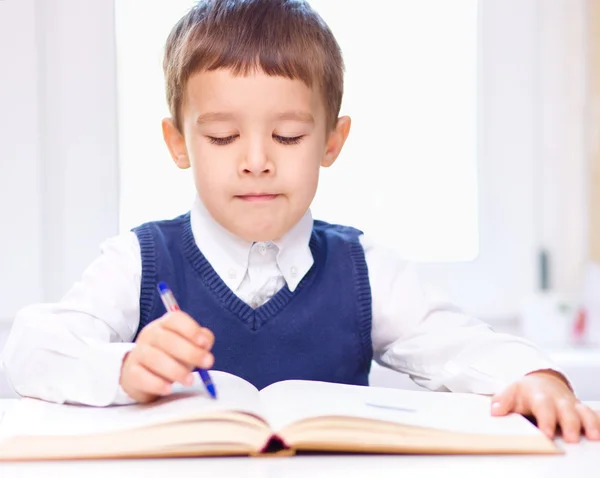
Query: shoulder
point(164, 225)
point(385, 264)
point(375, 251)
point(382, 253)
point(336, 231)
point(124, 244)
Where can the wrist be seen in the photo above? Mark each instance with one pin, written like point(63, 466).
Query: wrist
point(552, 375)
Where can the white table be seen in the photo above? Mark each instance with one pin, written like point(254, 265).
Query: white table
point(581, 460)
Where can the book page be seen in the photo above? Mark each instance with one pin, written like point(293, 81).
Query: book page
point(36, 417)
point(291, 401)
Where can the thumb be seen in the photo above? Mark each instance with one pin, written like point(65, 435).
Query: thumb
point(504, 402)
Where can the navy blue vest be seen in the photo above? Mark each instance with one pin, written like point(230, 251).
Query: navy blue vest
point(321, 331)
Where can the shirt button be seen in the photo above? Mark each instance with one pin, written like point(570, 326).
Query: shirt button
point(293, 271)
point(232, 273)
point(262, 249)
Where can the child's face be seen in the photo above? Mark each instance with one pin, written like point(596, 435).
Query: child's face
point(255, 144)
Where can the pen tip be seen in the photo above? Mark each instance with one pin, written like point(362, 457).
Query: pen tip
point(211, 390)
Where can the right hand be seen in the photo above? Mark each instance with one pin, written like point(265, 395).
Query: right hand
point(166, 351)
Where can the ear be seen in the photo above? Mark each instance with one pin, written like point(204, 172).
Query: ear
point(176, 143)
point(336, 141)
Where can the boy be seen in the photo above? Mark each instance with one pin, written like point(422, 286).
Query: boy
point(254, 89)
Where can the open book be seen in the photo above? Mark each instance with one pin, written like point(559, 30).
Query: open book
point(282, 418)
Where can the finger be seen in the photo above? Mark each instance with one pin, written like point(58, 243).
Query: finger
point(569, 421)
point(590, 421)
point(181, 349)
point(142, 385)
point(162, 364)
point(544, 411)
point(184, 325)
point(504, 402)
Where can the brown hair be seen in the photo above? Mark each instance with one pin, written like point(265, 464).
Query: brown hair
point(280, 37)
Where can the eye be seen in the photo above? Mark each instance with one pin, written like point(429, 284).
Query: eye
point(222, 141)
point(287, 139)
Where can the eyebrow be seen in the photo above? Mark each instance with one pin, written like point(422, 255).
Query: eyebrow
point(214, 117)
point(296, 116)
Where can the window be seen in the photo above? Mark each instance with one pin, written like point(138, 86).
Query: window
point(407, 175)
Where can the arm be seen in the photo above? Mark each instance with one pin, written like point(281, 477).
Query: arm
point(433, 341)
point(72, 351)
point(442, 348)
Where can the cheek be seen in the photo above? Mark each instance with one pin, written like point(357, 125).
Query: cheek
point(303, 174)
point(209, 170)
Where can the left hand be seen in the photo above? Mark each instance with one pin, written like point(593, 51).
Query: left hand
point(546, 395)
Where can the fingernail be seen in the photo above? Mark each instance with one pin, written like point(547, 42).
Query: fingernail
point(207, 361)
point(167, 389)
point(548, 432)
point(572, 437)
point(594, 434)
point(201, 341)
point(189, 380)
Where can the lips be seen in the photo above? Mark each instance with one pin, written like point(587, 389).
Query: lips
point(257, 197)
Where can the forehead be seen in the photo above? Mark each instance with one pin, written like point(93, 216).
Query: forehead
point(255, 92)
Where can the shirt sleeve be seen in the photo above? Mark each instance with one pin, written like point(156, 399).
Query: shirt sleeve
point(440, 347)
point(72, 351)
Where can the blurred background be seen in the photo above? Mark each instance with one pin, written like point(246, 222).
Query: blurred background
point(475, 151)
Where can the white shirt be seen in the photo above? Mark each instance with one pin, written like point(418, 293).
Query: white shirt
point(72, 351)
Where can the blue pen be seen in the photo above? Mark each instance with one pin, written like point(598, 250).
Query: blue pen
point(171, 305)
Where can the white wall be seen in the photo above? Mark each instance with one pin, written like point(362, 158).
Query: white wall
point(58, 144)
point(20, 163)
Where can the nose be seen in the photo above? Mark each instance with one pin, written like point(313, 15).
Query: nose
point(256, 161)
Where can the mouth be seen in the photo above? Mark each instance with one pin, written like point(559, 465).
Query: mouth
point(257, 197)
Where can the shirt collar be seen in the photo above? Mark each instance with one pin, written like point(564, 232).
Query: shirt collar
point(295, 257)
point(228, 253)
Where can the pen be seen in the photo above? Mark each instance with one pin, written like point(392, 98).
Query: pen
point(170, 304)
